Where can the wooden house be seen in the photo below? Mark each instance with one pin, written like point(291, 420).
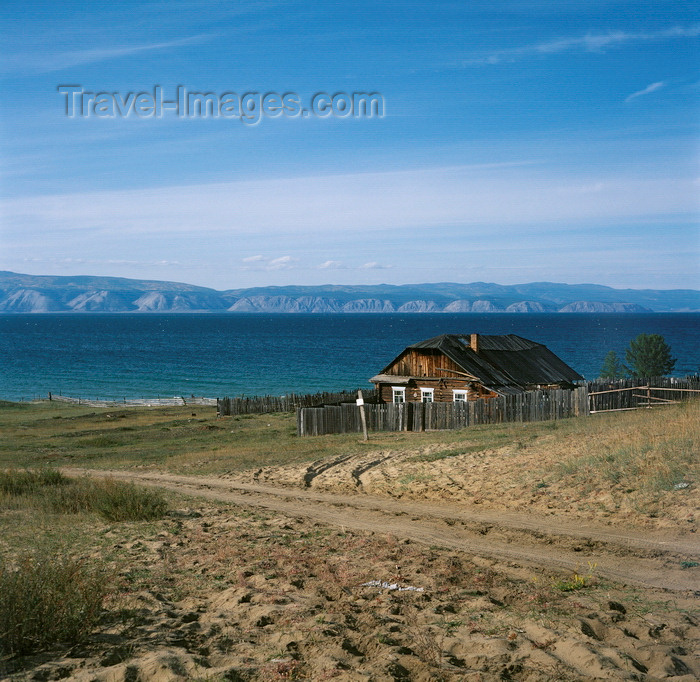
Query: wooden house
point(457, 368)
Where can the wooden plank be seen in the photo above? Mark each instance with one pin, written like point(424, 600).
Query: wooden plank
point(617, 409)
point(684, 390)
point(619, 390)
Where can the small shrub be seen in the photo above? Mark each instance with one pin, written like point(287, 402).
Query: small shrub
point(52, 491)
point(570, 584)
point(75, 498)
point(46, 600)
point(117, 501)
point(30, 481)
point(576, 581)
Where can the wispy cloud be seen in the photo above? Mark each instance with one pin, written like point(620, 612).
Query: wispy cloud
point(260, 262)
point(281, 263)
point(373, 265)
point(103, 261)
point(649, 89)
point(361, 203)
point(339, 265)
point(591, 42)
point(46, 62)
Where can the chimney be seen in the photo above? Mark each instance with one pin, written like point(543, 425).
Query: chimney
point(474, 342)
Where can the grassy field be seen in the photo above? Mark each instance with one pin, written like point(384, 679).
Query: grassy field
point(656, 449)
point(177, 439)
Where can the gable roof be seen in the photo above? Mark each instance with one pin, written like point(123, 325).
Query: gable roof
point(502, 362)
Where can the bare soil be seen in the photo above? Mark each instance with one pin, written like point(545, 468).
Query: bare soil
point(339, 570)
point(647, 559)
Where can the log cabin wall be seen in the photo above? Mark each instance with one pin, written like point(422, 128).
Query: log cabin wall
point(420, 363)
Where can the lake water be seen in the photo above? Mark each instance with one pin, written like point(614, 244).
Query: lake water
point(213, 355)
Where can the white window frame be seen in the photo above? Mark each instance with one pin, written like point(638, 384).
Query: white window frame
point(427, 393)
point(397, 391)
point(460, 395)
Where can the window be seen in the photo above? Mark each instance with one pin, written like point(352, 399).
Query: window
point(459, 396)
point(399, 394)
point(426, 395)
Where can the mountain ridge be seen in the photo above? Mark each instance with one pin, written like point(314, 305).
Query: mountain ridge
point(20, 293)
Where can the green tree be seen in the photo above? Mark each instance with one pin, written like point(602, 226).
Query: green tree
point(612, 367)
point(649, 356)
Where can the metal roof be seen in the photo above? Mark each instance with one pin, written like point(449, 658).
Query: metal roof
point(501, 361)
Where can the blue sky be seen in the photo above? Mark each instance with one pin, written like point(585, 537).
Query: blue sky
point(521, 141)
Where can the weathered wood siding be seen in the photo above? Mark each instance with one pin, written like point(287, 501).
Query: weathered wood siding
point(422, 363)
point(426, 369)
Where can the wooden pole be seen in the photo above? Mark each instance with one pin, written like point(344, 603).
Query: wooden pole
point(684, 390)
point(361, 404)
point(664, 400)
point(619, 390)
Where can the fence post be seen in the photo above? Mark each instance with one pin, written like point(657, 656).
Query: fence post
point(363, 418)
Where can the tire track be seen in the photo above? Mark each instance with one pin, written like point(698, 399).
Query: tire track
point(320, 466)
point(362, 468)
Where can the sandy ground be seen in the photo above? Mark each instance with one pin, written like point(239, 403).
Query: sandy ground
point(387, 568)
point(496, 479)
point(316, 579)
point(648, 558)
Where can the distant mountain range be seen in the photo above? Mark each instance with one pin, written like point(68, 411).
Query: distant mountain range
point(86, 294)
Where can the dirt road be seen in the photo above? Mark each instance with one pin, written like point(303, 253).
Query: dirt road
point(518, 539)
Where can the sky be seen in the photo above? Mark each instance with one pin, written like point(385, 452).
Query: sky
point(511, 141)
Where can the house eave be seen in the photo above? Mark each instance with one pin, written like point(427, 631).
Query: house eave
point(390, 379)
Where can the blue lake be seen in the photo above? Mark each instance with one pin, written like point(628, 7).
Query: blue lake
point(137, 355)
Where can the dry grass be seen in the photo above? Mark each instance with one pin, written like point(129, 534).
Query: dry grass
point(55, 569)
point(47, 599)
point(51, 491)
point(642, 457)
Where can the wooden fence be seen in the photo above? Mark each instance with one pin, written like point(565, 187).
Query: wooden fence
point(632, 394)
point(524, 407)
point(287, 403)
